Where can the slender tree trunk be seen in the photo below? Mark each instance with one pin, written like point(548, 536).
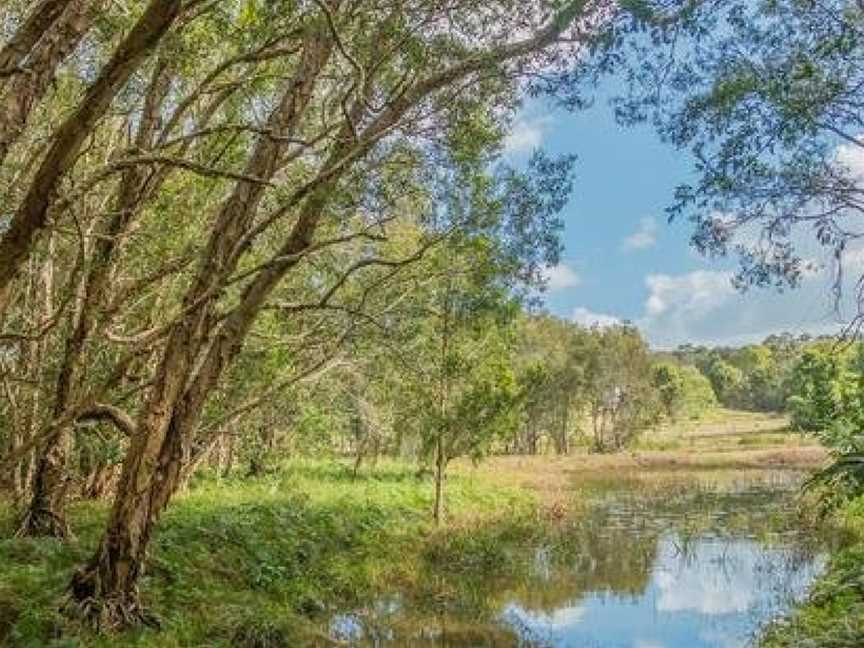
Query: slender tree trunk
point(46, 513)
point(440, 467)
point(24, 91)
point(443, 395)
point(563, 442)
point(31, 215)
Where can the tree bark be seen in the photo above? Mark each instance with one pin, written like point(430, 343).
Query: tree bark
point(46, 514)
point(26, 89)
point(31, 215)
point(37, 23)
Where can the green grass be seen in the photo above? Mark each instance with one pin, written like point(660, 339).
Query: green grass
point(265, 562)
point(833, 614)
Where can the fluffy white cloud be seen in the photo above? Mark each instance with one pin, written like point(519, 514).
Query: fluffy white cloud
point(694, 294)
point(703, 307)
point(585, 317)
point(561, 277)
point(527, 134)
point(644, 237)
point(717, 578)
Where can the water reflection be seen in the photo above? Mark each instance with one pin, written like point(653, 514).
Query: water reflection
point(687, 563)
point(713, 592)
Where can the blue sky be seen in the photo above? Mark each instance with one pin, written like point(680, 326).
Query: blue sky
point(623, 260)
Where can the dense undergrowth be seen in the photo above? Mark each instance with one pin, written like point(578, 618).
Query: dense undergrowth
point(833, 614)
point(267, 561)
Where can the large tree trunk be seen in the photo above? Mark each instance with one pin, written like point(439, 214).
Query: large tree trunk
point(106, 589)
point(46, 512)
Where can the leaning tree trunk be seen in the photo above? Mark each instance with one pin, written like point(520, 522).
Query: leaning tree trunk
point(31, 216)
point(26, 89)
point(46, 513)
point(34, 27)
point(105, 591)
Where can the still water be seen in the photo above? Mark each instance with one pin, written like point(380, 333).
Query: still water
point(676, 560)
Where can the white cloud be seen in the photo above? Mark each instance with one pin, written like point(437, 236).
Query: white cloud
point(703, 307)
point(644, 237)
point(527, 134)
point(695, 293)
point(561, 277)
point(715, 578)
point(851, 156)
point(541, 628)
point(585, 317)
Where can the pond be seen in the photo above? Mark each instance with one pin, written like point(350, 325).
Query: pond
point(652, 560)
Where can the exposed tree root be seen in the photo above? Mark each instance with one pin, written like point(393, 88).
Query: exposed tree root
point(43, 523)
point(105, 612)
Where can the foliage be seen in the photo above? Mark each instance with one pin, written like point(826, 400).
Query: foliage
point(827, 400)
point(767, 96)
point(833, 613)
point(683, 390)
point(753, 377)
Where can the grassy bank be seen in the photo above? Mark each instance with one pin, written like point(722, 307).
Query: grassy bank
point(833, 614)
point(270, 561)
point(266, 562)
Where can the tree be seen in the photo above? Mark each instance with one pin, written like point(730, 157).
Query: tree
point(618, 381)
point(501, 232)
point(669, 382)
point(818, 383)
point(551, 376)
point(767, 96)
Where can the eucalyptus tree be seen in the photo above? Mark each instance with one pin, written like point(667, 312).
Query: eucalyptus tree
point(551, 373)
point(622, 401)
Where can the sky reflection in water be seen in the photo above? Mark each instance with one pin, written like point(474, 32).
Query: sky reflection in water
point(713, 592)
point(692, 563)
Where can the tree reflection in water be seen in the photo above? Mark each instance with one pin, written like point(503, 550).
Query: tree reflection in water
point(681, 560)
